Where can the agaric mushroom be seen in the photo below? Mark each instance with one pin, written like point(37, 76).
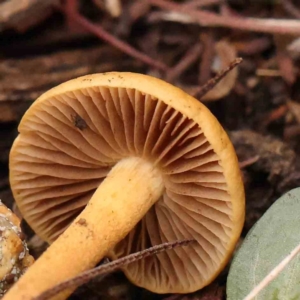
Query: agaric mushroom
point(14, 254)
point(107, 164)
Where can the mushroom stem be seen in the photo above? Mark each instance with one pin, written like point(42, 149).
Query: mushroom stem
point(123, 198)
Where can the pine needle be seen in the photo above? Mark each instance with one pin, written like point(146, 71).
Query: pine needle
point(109, 267)
point(213, 82)
point(273, 274)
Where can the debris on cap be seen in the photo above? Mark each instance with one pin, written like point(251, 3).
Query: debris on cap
point(14, 254)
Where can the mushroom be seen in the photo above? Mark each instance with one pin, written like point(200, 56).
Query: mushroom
point(108, 164)
point(14, 254)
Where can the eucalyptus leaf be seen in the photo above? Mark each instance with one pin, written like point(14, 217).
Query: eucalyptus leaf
point(269, 241)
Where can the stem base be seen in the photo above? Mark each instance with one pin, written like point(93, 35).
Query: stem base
point(123, 198)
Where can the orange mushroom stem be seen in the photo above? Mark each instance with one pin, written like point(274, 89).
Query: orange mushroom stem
point(124, 197)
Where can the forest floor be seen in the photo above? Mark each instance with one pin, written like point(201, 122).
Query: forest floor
point(185, 43)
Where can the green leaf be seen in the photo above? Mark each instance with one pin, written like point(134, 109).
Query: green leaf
point(270, 240)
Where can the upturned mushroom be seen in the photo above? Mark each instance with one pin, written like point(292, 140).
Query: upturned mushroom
point(108, 164)
point(14, 254)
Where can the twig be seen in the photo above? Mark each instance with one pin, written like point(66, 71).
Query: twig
point(212, 82)
point(189, 58)
point(274, 115)
point(286, 66)
point(248, 162)
point(106, 36)
point(109, 267)
point(253, 46)
point(273, 274)
point(206, 18)
point(291, 8)
point(268, 73)
point(71, 7)
point(202, 3)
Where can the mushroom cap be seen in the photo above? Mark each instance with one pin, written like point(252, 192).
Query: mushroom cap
point(75, 133)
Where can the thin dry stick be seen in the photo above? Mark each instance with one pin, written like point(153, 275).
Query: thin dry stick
point(273, 274)
point(106, 36)
point(202, 3)
point(109, 267)
point(206, 18)
point(214, 81)
point(291, 8)
point(248, 162)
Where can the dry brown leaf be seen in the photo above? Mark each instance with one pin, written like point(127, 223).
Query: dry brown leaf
point(21, 15)
point(114, 7)
point(226, 53)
